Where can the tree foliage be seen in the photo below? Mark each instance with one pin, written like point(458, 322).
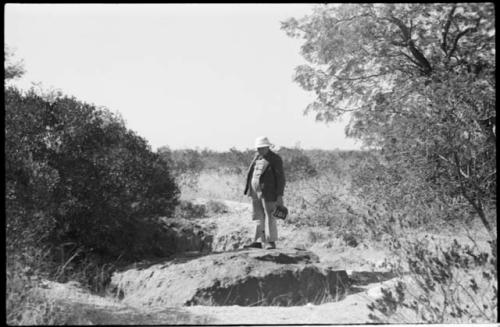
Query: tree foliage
point(12, 70)
point(76, 175)
point(418, 81)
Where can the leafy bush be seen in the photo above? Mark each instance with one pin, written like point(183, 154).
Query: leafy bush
point(74, 173)
point(438, 284)
point(83, 188)
point(296, 164)
point(457, 284)
point(183, 161)
point(322, 200)
point(82, 197)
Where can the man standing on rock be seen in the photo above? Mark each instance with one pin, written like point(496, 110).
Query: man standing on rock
point(265, 184)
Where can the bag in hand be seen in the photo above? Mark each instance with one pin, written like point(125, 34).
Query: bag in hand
point(280, 212)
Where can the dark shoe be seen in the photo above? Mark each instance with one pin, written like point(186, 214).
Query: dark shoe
point(270, 246)
point(256, 245)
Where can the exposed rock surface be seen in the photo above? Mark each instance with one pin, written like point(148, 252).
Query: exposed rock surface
point(280, 277)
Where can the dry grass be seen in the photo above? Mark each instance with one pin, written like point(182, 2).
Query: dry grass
point(306, 197)
point(27, 300)
point(26, 303)
point(214, 185)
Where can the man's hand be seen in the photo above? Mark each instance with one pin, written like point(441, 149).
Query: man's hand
point(279, 201)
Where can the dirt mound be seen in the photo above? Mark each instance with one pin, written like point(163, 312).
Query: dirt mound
point(246, 277)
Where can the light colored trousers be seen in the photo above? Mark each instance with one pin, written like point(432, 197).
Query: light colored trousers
point(266, 228)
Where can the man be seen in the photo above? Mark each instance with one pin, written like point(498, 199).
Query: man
point(265, 184)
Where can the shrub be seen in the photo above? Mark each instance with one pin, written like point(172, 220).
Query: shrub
point(84, 191)
point(456, 284)
point(296, 164)
point(75, 174)
point(453, 284)
point(81, 191)
point(183, 161)
point(322, 200)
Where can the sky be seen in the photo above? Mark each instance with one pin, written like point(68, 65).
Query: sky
point(201, 76)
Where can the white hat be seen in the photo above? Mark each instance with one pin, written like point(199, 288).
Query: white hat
point(262, 142)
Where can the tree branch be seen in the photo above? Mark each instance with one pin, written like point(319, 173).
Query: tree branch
point(410, 58)
point(360, 77)
point(399, 44)
point(343, 20)
point(444, 45)
point(423, 63)
point(404, 30)
point(472, 298)
point(408, 72)
point(347, 110)
point(460, 34)
point(477, 206)
point(489, 175)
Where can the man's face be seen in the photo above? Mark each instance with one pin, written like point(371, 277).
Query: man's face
point(263, 151)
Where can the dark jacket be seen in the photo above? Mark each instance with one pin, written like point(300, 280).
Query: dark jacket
point(272, 180)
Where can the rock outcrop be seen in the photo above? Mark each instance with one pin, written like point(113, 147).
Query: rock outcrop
point(245, 277)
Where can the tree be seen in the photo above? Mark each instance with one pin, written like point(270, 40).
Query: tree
point(419, 83)
point(12, 69)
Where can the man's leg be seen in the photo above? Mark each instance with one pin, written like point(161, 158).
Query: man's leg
point(260, 231)
point(259, 217)
point(271, 230)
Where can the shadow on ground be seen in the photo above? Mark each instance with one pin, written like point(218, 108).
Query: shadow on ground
point(359, 279)
point(369, 277)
